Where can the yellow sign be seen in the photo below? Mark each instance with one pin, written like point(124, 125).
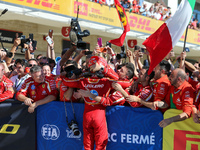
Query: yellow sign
point(15, 128)
point(94, 12)
point(182, 135)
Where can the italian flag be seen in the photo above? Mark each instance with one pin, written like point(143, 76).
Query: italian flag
point(161, 42)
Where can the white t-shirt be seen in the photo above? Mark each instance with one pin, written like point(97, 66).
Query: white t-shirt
point(17, 83)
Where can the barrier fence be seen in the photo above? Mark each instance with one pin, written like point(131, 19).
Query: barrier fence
point(129, 128)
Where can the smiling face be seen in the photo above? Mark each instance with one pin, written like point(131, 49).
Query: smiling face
point(122, 72)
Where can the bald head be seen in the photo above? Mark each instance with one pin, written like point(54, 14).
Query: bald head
point(180, 73)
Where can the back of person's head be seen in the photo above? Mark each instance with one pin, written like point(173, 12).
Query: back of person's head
point(181, 73)
point(165, 65)
point(38, 56)
point(35, 69)
point(151, 76)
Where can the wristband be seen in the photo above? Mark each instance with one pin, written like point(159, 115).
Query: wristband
point(52, 48)
point(113, 54)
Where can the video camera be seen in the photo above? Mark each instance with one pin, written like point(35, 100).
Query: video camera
point(76, 34)
point(70, 70)
point(27, 41)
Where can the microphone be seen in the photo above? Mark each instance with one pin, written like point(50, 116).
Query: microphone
point(4, 11)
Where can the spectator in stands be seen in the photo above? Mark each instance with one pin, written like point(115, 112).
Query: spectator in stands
point(21, 76)
point(135, 8)
point(150, 13)
point(126, 5)
point(143, 10)
point(37, 90)
point(182, 98)
point(194, 25)
point(110, 3)
point(157, 14)
point(6, 89)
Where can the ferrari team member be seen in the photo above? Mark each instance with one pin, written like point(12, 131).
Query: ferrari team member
point(144, 92)
point(94, 120)
point(37, 90)
point(161, 85)
point(6, 89)
point(182, 96)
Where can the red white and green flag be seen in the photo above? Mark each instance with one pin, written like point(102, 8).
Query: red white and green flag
point(161, 42)
point(124, 21)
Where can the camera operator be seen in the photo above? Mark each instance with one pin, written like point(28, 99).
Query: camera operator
point(37, 90)
point(94, 111)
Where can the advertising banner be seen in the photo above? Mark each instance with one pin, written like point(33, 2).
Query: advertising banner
point(8, 36)
point(101, 14)
point(133, 128)
point(129, 128)
point(17, 126)
point(182, 135)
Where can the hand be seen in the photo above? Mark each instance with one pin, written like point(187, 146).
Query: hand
point(183, 55)
point(17, 42)
point(110, 50)
point(116, 86)
point(32, 107)
point(165, 122)
point(196, 118)
point(82, 53)
point(129, 53)
point(170, 54)
point(84, 93)
point(77, 95)
point(28, 101)
point(132, 98)
point(2, 54)
point(155, 105)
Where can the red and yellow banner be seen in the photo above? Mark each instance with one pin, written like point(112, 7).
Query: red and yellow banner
point(101, 14)
point(182, 135)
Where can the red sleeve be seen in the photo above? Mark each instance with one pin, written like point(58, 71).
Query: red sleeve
point(146, 94)
point(116, 98)
point(187, 98)
point(52, 88)
point(74, 83)
point(110, 73)
point(125, 84)
point(7, 94)
point(193, 83)
point(161, 91)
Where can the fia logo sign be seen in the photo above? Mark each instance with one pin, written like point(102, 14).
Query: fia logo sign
point(50, 132)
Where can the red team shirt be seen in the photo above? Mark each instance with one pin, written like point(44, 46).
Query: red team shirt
point(4, 92)
point(161, 87)
point(182, 97)
point(38, 91)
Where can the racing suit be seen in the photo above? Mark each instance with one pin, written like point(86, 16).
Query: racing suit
point(94, 120)
point(4, 92)
point(37, 91)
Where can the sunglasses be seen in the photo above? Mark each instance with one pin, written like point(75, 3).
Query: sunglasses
point(31, 65)
point(42, 64)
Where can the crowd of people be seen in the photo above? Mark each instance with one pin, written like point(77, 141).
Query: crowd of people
point(101, 79)
point(156, 11)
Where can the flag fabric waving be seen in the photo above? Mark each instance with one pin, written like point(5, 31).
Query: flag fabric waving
point(124, 20)
point(161, 42)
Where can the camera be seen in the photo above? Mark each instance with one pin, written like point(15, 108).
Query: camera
point(76, 34)
point(74, 127)
point(122, 54)
point(27, 41)
point(70, 70)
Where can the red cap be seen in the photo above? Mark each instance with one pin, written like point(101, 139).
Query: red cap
point(96, 59)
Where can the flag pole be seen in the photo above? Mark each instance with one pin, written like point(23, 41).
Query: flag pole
point(185, 38)
point(125, 39)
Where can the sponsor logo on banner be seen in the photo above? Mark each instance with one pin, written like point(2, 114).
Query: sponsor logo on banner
point(43, 3)
point(50, 132)
point(189, 140)
point(83, 8)
point(9, 128)
point(71, 135)
point(132, 138)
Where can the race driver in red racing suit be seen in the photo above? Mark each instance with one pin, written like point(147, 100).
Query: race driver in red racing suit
point(94, 120)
